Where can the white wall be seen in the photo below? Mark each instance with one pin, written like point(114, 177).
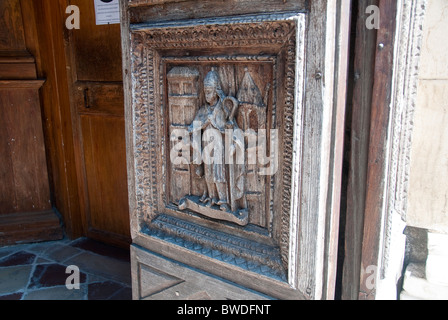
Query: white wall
point(428, 184)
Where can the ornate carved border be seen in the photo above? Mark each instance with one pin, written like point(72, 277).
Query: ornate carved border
point(405, 82)
point(286, 31)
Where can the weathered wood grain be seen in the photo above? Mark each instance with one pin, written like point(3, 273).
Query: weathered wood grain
point(377, 158)
point(12, 37)
point(24, 177)
point(48, 45)
point(363, 73)
point(191, 9)
point(93, 99)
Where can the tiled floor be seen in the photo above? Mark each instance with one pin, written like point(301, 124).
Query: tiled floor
point(38, 271)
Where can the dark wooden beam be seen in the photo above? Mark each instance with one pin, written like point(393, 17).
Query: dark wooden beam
point(357, 141)
point(377, 159)
point(58, 126)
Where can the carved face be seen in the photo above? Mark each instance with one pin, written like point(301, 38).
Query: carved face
point(211, 95)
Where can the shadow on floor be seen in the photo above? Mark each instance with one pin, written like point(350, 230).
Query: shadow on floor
point(38, 271)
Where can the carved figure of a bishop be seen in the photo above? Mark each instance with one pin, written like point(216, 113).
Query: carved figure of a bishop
point(212, 119)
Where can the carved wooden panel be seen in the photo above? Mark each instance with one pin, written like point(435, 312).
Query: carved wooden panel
point(229, 157)
point(226, 208)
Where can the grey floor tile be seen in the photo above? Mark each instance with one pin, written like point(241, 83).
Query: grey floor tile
point(41, 247)
point(4, 252)
point(60, 252)
point(18, 259)
point(51, 275)
point(13, 279)
point(12, 296)
point(57, 293)
point(102, 266)
point(104, 290)
point(37, 271)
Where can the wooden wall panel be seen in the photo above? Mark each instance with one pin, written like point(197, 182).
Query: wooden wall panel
point(25, 176)
point(94, 80)
point(58, 126)
point(26, 208)
point(96, 47)
point(107, 189)
point(25, 204)
point(12, 37)
point(17, 65)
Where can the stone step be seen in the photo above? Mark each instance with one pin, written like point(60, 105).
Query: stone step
point(437, 260)
point(438, 244)
point(436, 269)
point(417, 287)
point(406, 296)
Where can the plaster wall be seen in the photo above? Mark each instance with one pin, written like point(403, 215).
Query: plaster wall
point(428, 184)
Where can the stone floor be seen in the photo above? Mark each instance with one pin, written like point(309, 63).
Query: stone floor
point(38, 271)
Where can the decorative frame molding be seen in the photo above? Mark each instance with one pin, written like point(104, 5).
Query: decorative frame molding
point(408, 42)
point(393, 102)
point(283, 30)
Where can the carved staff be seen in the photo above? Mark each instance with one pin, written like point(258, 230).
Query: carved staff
point(236, 187)
point(234, 103)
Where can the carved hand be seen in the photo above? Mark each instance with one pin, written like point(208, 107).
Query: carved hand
point(199, 171)
point(232, 150)
point(230, 124)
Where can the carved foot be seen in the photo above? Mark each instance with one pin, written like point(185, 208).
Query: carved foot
point(183, 204)
point(204, 197)
point(223, 205)
point(208, 202)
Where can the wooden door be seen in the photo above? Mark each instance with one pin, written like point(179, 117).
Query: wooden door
point(280, 67)
point(94, 55)
point(26, 206)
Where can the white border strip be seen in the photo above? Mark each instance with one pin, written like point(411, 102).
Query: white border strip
point(297, 149)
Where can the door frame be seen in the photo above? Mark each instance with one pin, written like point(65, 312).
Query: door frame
point(75, 85)
point(59, 127)
point(386, 65)
point(56, 62)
